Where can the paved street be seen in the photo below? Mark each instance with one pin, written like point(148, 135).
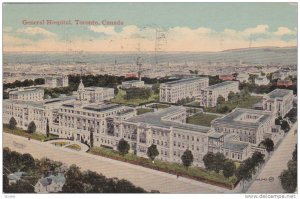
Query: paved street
point(147, 178)
point(274, 167)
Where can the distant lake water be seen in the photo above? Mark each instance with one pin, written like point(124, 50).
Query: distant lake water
point(248, 56)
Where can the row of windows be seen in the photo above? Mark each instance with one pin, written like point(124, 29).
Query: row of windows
point(161, 143)
point(90, 114)
point(192, 138)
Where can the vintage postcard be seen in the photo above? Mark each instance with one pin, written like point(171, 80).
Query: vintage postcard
point(150, 98)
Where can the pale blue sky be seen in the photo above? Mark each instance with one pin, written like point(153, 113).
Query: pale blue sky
point(213, 16)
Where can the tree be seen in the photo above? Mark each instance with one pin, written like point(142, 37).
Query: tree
point(31, 127)
point(257, 158)
point(292, 167)
point(73, 186)
point(269, 144)
point(124, 186)
point(220, 99)
point(288, 181)
point(285, 126)
point(12, 123)
point(244, 172)
point(187, 158)
point(295, 154)
point(224, 109)
point(152, 152)
point(123, 147)
point(47, 128)
point(219, 160)
point(228, 168)
point(5, 183)
point(208, 160)
point(73, 182)
point(39, 81)
point(28, 162)
point(21, 187)
point(231, 96)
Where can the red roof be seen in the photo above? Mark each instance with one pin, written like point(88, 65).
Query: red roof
point(226, 77)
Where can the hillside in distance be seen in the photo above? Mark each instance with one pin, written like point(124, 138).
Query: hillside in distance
point(262, 55)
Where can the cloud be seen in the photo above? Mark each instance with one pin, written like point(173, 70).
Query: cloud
point(284, 31)
point(36, 31)
point(133, 38)
point(259, 29)
point(108, 30)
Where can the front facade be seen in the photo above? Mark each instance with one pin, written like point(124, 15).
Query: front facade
point(172, 92)
point(91, 123)
point(27, 94)
point(168, 131)
point(279, 101)
point(56, 81)
point(209, 95)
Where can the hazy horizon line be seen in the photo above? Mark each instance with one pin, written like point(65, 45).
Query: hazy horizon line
point(81, 51)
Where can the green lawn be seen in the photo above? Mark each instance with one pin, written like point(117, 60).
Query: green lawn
point(159, 106)
point(60, 143)
point(194, 103)
point(173, 168)
point(74, 147)
point(201, 119)
point(23, 133)
point(121, 94)
point(246, 102)
point(141, 111)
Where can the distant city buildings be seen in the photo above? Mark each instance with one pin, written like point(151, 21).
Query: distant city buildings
point(286, 83)
point(226, 77)
point(261, 81)
point(279, 101)
point(133, 84)
point(27, 94)
point(209, 95)
point(56, 81)
point(243, 77)
point(174, 91)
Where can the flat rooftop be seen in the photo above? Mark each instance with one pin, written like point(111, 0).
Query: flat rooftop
point(186, 80)
point(279, 93)
point(41, 104)
point(234, 145)
point(26, 90)
point(235, 118)
point(155, 119)
point(132, 81)
point(220, 85)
